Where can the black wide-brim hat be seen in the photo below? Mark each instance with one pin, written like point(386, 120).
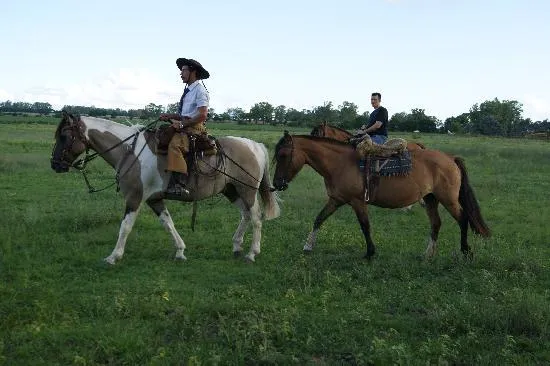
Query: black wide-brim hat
point(189, 62)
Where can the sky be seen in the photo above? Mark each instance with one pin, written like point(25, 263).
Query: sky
point(442, 56)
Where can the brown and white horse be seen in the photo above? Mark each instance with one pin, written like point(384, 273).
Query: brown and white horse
point(241, 174)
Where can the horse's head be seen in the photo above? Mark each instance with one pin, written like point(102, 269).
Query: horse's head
point(70, 142)
point(320, 130)
point(288, 162)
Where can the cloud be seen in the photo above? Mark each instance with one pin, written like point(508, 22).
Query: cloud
point(124, 88)
point(4, 95)
point(536, 107)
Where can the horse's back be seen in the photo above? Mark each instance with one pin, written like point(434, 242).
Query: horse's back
point(245, 159)
point(244, 149)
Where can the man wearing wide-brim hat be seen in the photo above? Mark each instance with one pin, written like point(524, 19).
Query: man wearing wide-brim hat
point(192, 113)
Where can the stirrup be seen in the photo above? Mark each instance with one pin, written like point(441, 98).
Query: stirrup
point(177, 189)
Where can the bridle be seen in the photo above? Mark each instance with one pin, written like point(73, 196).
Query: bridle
point(80, 164)
point(76, 130)
point(290, 160)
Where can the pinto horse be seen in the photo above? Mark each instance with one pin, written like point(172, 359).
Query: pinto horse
point(337, 133)
point(240, 173)
point(435, 176)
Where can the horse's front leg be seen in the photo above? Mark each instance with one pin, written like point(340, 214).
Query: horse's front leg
point(125, 229)
point(330, 207)
point(361, 211)
point(160, 209)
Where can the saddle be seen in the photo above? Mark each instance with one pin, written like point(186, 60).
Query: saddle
point(199, 144)
point(389, 159)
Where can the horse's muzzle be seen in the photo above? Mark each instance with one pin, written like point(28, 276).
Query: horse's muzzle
point(59, 167)
point(280, 184)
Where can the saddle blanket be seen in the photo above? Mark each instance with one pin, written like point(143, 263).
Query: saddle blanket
point(387, 166)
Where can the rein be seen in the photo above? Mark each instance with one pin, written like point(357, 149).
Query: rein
point(221, 163)
point(80, 164)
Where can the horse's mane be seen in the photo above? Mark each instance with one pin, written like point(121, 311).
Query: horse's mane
point(339, 129)
point(68, 116)
point(137, 127)
point(312, 138)
point(58, 129)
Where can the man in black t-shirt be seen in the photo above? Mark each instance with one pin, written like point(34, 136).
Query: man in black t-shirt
point(378, 121)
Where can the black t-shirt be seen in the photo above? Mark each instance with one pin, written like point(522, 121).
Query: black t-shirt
point(379, 114)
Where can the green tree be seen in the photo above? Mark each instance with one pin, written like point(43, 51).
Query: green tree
point(457, 124)
point(324, 113)
point(507, 113)
point(347, 113)
point(236, 114)
point(173, 107)
point(280, 114)
point(151, 110)
point(262, 111)
point(397, 121)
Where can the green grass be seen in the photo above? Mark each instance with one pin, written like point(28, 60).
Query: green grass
point(61, 305)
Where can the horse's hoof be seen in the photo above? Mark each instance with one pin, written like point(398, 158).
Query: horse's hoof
point(249, 259)
point(180, 259)
point(368, 256)
point(237, 254)
point(109, 260)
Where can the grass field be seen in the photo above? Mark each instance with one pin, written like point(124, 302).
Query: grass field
point(61, 305)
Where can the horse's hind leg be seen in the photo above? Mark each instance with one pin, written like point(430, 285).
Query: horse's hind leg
point(361, 212)
point(460, 216)
point(331, 206)
point(125, 229)
point(160, 209)
point(431, 204)
point(256, 218)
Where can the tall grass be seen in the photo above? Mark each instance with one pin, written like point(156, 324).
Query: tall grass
point(60, 304)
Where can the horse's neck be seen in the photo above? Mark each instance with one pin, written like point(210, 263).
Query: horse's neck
point(323, 157)
point(106, 138)
point(339, 134)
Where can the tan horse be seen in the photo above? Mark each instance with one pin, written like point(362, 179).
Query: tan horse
point(435, 176)
point(337, 133)
point(240, 172)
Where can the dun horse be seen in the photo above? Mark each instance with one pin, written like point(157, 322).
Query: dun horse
point(240, 173)
point(435, 176)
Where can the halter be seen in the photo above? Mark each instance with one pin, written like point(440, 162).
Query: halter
point(76, 130)
point(289, 163)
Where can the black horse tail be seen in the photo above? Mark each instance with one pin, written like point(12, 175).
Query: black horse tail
point(469, 203)
point(268, 195)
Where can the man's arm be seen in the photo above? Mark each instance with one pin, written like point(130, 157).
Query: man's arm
point(201, 117)
point(374, 127)
point(381, 118)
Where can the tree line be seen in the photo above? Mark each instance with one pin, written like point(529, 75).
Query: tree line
point(492, 117)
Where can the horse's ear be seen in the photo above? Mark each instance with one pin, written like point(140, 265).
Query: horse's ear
point(324, 123)
point(287, 133)
point(64, 114)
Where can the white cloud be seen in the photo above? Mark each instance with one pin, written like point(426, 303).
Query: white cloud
point(125, 88)
point(4, 95)
point(536, 107)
